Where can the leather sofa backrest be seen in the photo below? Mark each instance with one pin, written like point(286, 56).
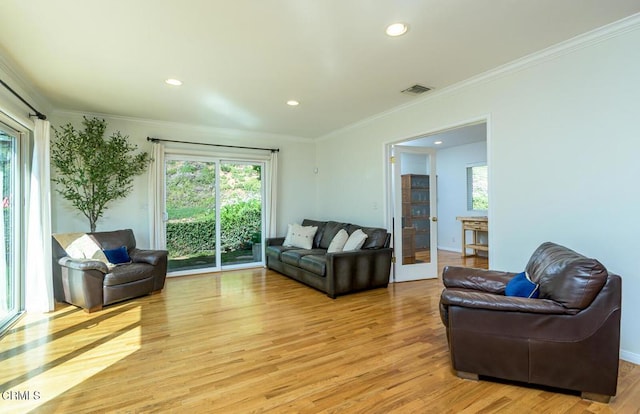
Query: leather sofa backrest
point(330, 230)
point(565, 276)
point(115, 239)
point(377, 238)
point(320, 225)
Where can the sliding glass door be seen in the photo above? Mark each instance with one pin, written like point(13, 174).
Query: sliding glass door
point(241, 212)
point(10, 281)
point(190, 205)
point(214, 213)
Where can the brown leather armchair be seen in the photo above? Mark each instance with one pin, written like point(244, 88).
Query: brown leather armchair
point(567, 338)
point(90, 282)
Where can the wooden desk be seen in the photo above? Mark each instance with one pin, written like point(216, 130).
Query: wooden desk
point(474, 224)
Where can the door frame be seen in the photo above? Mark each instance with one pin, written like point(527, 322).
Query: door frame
point(218, 158)
point(388, 178)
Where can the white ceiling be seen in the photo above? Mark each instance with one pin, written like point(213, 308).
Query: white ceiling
point(241, 60)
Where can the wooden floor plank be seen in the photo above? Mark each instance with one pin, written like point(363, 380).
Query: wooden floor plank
point(254, 341)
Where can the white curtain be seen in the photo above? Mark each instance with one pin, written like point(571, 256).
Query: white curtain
point(38, 272)
point(157, 217)
point(272, 196)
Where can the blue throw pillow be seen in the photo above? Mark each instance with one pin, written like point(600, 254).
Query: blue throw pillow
point(117, 256)
point(522, 286)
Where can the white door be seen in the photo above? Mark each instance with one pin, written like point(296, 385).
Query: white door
point(415, 219)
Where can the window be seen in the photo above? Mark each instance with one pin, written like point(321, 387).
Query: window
point(10, 280)
point(477, 187)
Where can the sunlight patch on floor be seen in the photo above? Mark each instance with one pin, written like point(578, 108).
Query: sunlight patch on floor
point(85, 354)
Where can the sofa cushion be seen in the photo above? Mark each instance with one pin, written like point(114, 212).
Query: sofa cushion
point(293, 257)
point(320, 225)
point(115, 239)
point(330, 230)
point(275, 251)
point(300, 236)
point(356, 241)
point(128, 273)
point(81, 246)
point(338, 242)
point(520, 285)
point(314, 263)
point(565, 276)
point(117, 256)
point(376, 237)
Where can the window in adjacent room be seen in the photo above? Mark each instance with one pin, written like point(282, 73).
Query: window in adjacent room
point(477, 187)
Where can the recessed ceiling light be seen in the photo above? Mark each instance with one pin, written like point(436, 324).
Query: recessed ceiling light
point(293, 102)
point(438, 142)
point(396, 29)
point(173, 82)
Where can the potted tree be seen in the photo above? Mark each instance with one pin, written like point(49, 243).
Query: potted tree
point(93, 171)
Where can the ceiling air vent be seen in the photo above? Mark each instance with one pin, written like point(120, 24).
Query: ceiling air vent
point(416, 90)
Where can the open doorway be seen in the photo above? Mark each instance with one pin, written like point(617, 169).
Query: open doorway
point(455, 150)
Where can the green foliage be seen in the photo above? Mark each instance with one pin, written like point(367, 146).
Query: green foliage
point(93, 171)
point(240, 222)
point(480, 191)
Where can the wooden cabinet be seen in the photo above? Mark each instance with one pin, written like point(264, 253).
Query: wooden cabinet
point(474, 225)
point(416, 209)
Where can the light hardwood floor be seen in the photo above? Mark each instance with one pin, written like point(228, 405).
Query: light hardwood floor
point(254, 341)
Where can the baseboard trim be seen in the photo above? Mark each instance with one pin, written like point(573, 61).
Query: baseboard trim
point(630, 357)
point(450, 249)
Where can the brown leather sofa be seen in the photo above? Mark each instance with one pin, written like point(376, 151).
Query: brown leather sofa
point(90, 284)
point(568, 338)
point(334, 273)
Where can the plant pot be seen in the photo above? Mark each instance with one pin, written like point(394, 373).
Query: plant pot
point(256, 249)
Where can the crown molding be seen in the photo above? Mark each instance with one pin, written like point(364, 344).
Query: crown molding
point(590, 38)
point(196, 128)
point(23, 87)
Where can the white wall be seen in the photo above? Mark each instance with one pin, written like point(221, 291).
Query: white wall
point(295, 188)
point(563, 152)
point(451, 166)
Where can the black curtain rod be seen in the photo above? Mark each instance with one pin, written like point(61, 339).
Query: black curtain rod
point(39, 114)
point(212, 145)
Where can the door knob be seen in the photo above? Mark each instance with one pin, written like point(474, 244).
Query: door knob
point(434, 218)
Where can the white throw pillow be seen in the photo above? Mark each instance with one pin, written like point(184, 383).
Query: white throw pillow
point(337, 244)
point(300, 236)
point(355, 241)
point(84, 247)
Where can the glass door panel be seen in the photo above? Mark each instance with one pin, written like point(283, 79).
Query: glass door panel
point(415, 231)
point(241, 210)
point(190, 203)
point(9, 229)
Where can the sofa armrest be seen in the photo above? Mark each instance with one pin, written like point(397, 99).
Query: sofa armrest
point(151, 257)
point(357, 270)
point(275, 241)
point(83, 264)
point(483, 300)
point(483, 280)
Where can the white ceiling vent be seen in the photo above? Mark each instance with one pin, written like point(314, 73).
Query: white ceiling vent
point(416, 90)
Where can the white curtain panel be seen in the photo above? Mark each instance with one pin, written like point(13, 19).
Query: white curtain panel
point(272, 194)
point(39, 274)
point(157, 236)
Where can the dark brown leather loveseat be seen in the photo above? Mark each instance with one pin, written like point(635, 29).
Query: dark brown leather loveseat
point(567, 338)
point(90, 282)
point(334, 273)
